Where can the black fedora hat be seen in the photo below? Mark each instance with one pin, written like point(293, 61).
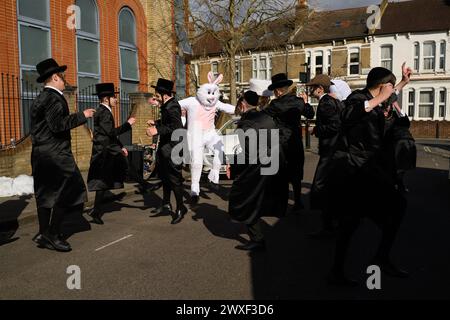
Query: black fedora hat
point(280, 80)
point(164, 85)
point(105, 90)
point(47, 68)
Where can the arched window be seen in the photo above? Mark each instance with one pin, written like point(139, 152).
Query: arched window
point(88, 45)
point(416, 56)
point(442, 55)
point(34, 36)
point(129, 71)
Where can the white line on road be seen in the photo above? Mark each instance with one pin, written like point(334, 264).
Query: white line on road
point(114, 242)
point(427, 149)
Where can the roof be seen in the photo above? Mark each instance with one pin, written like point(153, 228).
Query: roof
point(323, 26)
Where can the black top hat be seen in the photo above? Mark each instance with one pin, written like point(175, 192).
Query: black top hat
point(251, 97)
point(280, 80)
point(47, 68)
point(105, 90)
point(164, 86)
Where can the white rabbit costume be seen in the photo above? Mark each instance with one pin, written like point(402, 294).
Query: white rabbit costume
point(201, 111)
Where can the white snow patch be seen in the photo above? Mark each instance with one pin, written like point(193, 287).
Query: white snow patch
point(22, 185)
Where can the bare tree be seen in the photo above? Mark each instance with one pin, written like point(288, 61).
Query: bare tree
point(230, 22)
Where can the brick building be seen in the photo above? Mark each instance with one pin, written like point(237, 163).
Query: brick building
point(128, 42)
point(340, 44)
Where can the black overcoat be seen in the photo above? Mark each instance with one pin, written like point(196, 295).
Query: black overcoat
point(108, 163)
point(252, 194)
point(328, 124)
point(287, 111)
point(57, 179)
point(168, 171)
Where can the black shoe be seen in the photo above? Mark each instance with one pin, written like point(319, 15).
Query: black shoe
point(215, 187)
point(153, 187)
point(96, 217)
point(252, 246)
point(194, 200)
point(41, 242)
point(340, 280)
point(178, 215)
point(56, 243)
point(387, 267)
point(167, 208)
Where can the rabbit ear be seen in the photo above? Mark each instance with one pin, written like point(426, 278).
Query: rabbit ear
point(219, 79)
point(210, 77)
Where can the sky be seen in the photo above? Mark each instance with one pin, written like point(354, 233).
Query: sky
point(340, 4)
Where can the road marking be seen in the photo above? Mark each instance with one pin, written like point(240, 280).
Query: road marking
point(114, 242)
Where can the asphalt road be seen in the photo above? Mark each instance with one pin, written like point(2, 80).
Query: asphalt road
point(136, 256)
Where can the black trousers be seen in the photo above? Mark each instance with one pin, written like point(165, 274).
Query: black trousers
point(255, 230)
point(50, 220)
point(172, 179)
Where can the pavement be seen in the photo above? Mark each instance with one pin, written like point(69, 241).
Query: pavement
point(137, 255)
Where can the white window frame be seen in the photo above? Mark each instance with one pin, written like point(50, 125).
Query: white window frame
point(128, 46)
point(94, 38)
point(432, 58)
point(390, 59)
point(350, 64)
point(215, 73)
point(411, 104)
point(432, 104)
point(316, 66)
point(416, 55)
point(442, 55)
point(256, 66)
point(237, 74)
point(329, 61)
point(442, 104)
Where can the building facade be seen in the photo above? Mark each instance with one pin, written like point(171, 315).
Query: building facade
point(338, 43)
point(128, 42)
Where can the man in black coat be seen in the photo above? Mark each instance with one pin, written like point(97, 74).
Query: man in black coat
point(169, 172)
point(328, 124)
point(361, 185)
point(287, 110)
point(108, 161)
point(256, 192)
point(58, 184)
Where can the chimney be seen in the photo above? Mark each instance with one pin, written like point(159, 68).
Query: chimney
point(301, 13)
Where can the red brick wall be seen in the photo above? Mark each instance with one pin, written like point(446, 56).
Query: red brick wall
point(64, 45)
point(431, 129)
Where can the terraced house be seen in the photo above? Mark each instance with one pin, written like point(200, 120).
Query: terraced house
point(339, 43)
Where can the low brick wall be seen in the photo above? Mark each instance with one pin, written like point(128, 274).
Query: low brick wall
point(431, 129)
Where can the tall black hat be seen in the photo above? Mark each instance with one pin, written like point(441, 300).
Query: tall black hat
point(105, 90)
point(280, 80)
point(164, 86)
point(47, 68)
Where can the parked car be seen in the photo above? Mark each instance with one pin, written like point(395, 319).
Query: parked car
point(231, 144)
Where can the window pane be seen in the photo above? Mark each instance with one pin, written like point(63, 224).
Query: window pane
point(214, 67)
point(319, 71)
point(426, 97)
point(416, 64)
point(263, 74)
point(354, 57)
point(387, 64)
point(128, 87)
point(88, 60)
point(386, 53)
point(129, 64)
point(263, 63)
point(417, 49)
point(36, 9)
point(428, 63)
point(319, 60)
point(88, 16)
point(442, 96)
point(29, 82)
point(428, 49)
point(127, 27)
point(411, 97)
point(34, 44)
point(87, 84)
point(426, 111)
point(354, 69)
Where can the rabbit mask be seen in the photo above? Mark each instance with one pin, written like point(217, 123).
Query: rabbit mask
point(208, 94)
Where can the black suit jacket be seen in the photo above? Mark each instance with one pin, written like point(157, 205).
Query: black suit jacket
point(169, 122)
point(328, 124)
